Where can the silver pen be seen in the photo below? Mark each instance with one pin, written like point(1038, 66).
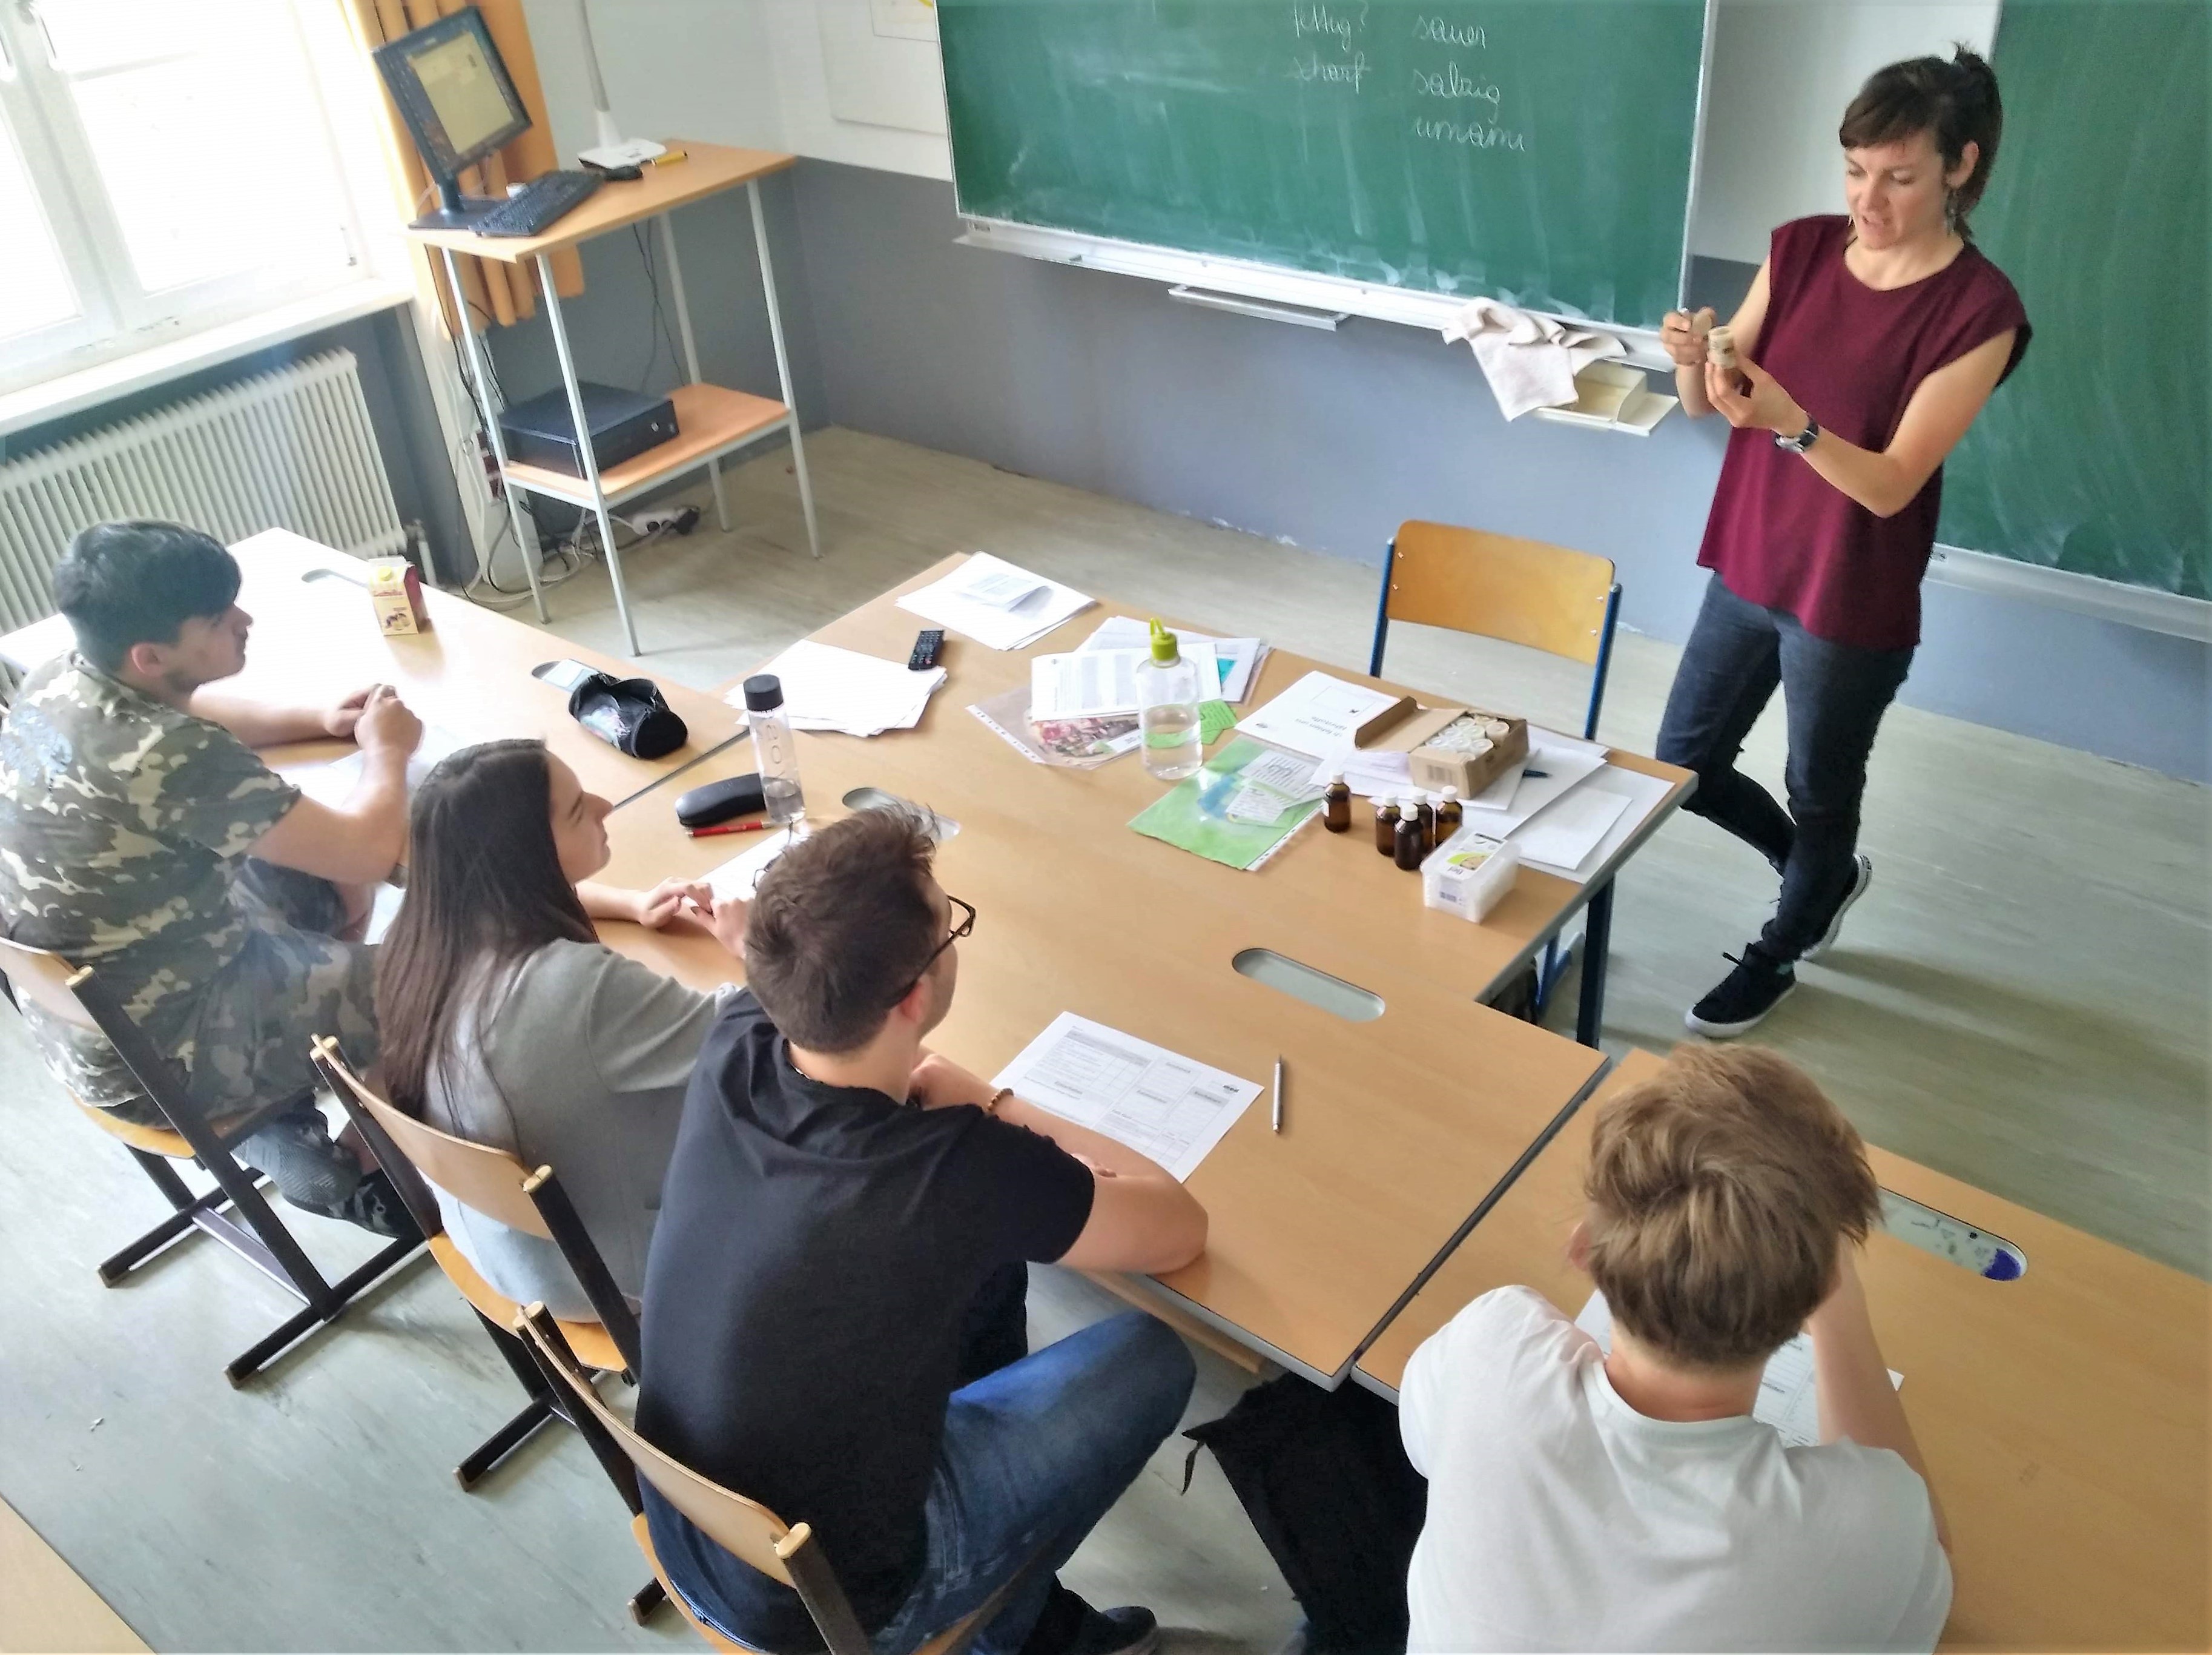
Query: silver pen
point(1278, 1122)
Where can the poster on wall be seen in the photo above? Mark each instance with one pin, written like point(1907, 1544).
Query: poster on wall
point(879, 59)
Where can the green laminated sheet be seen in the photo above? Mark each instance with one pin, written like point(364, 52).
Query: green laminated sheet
point(1191, 814)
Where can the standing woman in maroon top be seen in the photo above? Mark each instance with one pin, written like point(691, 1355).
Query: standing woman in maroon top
point(1866, 345)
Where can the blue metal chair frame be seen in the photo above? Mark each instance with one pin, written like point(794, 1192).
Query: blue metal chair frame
point(1597, 925)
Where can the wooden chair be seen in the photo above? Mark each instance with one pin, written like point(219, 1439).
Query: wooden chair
point(233, 1212)
point(1525, 591)
point(748, 1531)
point(497, 1184)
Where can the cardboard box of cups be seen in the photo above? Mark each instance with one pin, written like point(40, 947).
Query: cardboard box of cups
point(1461, 747)
point(1465, 748)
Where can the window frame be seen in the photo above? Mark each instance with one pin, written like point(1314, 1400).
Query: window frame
point(117, 316)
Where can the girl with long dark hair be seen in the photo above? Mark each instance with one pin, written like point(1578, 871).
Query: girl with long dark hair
point(506, 1022)
point(1868, 344)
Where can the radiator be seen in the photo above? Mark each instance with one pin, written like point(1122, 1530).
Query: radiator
point(289, 449)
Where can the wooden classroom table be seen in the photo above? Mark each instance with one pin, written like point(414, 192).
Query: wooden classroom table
point(2063, 1415)
point(315, 635)
point(1397, 1131)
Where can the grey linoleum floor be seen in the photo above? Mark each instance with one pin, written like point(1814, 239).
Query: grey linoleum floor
point(2021, 1001)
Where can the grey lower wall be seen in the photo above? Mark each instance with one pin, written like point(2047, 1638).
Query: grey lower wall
point(400, 410)
point(618, 340)
point(1329, 440)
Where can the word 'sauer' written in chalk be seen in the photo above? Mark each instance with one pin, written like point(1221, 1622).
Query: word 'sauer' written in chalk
point(1439, 31)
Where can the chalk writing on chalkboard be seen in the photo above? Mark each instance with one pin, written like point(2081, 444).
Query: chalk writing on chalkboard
point(1536, 150)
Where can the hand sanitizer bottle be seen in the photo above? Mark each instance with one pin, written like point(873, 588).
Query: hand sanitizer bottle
point(1167, 710)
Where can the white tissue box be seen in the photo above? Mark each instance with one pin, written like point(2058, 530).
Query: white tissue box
point(1469, 874)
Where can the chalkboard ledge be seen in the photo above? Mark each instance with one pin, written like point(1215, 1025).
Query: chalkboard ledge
point(1408, 306)
point(2153, 611)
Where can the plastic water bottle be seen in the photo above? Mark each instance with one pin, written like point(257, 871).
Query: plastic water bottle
point(774, 750)
point(1167, 710)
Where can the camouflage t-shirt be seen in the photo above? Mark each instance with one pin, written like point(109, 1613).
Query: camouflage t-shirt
point(124, 824)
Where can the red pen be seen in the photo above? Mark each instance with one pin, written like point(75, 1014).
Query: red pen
point(726, 827)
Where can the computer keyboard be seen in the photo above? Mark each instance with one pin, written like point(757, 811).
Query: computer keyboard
point(546, 198)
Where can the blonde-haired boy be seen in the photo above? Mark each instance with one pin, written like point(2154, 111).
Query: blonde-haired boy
point(1582, 1498)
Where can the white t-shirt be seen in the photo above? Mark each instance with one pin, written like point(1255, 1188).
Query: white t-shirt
point(1560, 1518)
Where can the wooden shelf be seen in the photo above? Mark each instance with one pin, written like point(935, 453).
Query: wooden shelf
point(710, 421)
point(708, 169)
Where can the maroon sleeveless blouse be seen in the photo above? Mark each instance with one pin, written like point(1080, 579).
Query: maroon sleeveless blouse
point(1781, 535)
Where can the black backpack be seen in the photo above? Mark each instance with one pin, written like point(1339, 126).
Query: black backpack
point(1324, 1477)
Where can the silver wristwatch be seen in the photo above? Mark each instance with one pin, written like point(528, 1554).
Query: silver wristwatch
point(1801, 442)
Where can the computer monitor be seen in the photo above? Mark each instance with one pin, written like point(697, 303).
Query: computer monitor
point(453, 92)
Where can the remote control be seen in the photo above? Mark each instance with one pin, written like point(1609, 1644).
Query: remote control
point(928, 647)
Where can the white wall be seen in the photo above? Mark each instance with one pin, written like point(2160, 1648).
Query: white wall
point(1783, 72)
point(753, 72)
point(686, 68)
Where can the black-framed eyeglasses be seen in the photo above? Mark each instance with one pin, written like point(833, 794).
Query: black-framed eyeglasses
point(962, 926)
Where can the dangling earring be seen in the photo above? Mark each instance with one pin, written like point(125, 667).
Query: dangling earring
point(1950, 211)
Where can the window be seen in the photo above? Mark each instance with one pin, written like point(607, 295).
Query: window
point(165, 166)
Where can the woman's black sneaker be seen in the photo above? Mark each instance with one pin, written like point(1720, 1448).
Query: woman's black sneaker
point(1755, 988)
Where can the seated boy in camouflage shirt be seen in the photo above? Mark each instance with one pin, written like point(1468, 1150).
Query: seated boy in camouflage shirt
point(140, 834)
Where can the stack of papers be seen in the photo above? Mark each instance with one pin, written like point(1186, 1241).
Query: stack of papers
point(1099, 683)
point(1555, 766)
point(1372, 774)
point(996, 603)
point(1639, 796)
point(1236, 660)
point(1171, 1108)
point(825, 688)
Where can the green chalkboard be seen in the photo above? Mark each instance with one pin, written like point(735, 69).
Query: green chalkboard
point(2093, 456)
point(1537, 152)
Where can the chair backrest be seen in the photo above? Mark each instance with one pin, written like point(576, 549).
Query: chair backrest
point(490, 1181)
point(1523, 592)
point(47, 980)
point(744, 1528)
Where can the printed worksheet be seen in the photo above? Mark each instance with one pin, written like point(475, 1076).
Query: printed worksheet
point(999, 585)
point(736, 877)
point(1172, 1108)
point(1317, 715)
point(330, 782)
point(1788, 1398)
point(1102, 682)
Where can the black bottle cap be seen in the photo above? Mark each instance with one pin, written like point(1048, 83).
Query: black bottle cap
point(763, 693)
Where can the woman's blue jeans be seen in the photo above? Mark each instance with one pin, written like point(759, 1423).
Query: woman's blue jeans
point(1835, 696)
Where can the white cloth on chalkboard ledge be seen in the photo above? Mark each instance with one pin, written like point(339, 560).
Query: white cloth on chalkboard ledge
point(1530, 360)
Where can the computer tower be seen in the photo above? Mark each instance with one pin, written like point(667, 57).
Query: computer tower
point(624, 424)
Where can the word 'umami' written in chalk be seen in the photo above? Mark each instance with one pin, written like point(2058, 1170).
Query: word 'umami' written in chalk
point(1474, 134)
